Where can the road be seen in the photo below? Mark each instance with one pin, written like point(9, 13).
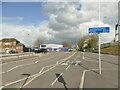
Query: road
point(61, 70)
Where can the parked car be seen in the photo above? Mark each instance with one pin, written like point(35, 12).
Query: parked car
point(12, 51)
point(42, 50)
point(70, 50)
point(36, 50)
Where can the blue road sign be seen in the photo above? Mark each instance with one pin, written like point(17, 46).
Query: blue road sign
point(99, 30)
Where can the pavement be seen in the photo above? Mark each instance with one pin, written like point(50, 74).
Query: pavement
point(61, 70)
point(17, 57)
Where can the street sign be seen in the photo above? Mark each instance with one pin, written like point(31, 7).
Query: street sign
point(99, 30)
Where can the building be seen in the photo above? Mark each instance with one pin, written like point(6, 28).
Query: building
point(51, 47)
point(8, 44)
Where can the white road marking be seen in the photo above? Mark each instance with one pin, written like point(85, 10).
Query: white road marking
point(18, 67)
point(67, 61)
point(76, 64)
point(21, 66)
point(67, 67)
point(82, 79)
point(36, 61)
point(1, 87)
point(38, 74)
point(46, 67)
point(56, 79)
point(11, 69)
point(84, 72)
point(64, 64)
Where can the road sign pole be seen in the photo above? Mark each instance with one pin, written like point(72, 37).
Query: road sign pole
point(99, 55)
point(99, 30)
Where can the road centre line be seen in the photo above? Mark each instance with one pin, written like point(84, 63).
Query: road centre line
point(84, 72)
point(38, 74)
point(56, 79)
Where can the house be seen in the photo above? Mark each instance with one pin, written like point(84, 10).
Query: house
point(8, 44)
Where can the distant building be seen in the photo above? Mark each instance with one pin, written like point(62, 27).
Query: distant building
point(52, 47)
point(8, 44)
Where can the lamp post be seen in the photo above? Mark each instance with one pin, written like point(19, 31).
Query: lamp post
point(29, 46)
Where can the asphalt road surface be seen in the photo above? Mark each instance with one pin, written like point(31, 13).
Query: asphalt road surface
point(61, 70)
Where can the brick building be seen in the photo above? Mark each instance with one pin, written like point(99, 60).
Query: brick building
point(8, 44)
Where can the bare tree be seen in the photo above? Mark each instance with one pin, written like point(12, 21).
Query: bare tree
point(38, 42)
point(66, 44)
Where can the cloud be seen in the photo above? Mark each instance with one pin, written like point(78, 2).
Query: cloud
point(71, 23)
point(66, 22)
point(27, 34)
point(20, 32)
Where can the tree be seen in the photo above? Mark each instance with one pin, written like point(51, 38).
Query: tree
point(38, 42)
point(66, 44)
point(80, 43)
point(91, 41)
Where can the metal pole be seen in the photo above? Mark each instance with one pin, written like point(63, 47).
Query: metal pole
point(99, 43)
point(99, 56)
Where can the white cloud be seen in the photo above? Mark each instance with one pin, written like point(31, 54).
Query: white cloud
point(71, 24)
point(66, 22)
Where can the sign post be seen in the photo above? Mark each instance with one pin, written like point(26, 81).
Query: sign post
point(99, 30)
point(100, 65)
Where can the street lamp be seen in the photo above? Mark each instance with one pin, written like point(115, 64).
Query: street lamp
point(29, 46)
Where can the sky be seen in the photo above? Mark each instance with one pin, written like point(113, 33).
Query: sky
point(55, 22)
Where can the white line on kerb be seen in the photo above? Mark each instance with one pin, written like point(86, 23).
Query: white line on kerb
point(82, 78)
point(84, 72)
point(56, 79)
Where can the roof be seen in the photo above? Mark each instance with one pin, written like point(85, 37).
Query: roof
point(20, 44)
point(8, 39)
